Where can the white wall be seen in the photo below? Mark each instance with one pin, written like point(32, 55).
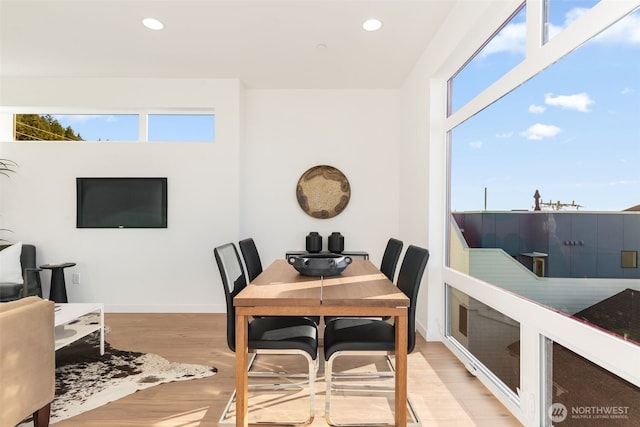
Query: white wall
point(287, 132)
point(131, 269)
point(241, 185)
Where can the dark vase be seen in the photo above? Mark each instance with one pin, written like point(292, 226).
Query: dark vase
point(314, 242)
point(336, 243)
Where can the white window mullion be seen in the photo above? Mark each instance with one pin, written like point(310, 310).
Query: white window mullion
point(143, 127)
point(535, 26)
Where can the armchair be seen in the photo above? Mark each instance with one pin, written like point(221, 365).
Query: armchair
point(27, 361)
point(31, 284)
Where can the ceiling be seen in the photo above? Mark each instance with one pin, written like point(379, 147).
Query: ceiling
point(291, 44)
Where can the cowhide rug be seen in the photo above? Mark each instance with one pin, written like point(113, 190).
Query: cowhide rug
point(86, 380)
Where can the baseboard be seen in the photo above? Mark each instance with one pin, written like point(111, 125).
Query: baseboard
point(429, 334)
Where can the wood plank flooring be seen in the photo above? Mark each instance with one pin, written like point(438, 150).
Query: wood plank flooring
point(442, 391)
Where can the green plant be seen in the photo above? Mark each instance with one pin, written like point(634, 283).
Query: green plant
point(6, 167)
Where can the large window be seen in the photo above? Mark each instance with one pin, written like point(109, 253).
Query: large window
point(544, 204)
point(550, 134)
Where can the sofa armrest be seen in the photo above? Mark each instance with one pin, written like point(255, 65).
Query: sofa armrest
point(27, 358)
point(31, 280)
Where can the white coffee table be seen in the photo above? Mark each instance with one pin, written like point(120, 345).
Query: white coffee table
point(68, 312)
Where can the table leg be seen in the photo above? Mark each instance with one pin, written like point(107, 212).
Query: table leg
point(401, 370)
point(242, 380)
point(58, 292)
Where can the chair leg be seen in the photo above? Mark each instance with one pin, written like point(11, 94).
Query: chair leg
point(310, 380)
point(42, 415)
point(329, 376)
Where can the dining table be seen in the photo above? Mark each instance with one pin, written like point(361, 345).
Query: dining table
point(360, 290)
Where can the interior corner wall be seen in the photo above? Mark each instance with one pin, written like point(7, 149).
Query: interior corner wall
point(129, 270)
point(423, 146)
point(290, 131)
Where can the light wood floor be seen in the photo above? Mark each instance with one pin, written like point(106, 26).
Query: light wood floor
point(442, 391)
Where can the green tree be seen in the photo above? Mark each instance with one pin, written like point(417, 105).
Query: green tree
point(36, 127)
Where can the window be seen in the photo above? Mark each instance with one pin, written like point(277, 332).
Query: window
point(76, 127)
point(504, 51)
point(543, 193)
point(490, 336)
point(583, 394)
point(115, 127)
point(551, 167)
point(181, 127)
point(559, 14)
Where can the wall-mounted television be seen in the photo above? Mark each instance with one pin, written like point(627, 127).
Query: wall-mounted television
point(121, 202)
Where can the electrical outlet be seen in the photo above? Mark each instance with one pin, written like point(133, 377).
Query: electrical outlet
point(75, 278)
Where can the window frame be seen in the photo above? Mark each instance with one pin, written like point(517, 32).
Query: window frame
point(537, 322)
point(143, 122)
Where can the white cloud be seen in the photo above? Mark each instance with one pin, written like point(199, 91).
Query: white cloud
point(476, 144)
point(540, 131)
point(626, 91)
point(578, 101)
point(625, 31)
point(504, 135)
point(573, 15)
point(511, 39)
point(569, 18)
point(536, 109)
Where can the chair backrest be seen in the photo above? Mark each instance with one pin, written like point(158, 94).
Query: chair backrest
point(251, 258)
point(409, 279)
point(391, 257)
point(233, 281)
point(28, 264)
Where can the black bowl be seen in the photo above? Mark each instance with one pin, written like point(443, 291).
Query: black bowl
point(319, 264)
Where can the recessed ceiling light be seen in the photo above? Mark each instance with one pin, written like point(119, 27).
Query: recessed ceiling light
point(152, 24)
point(372, 25)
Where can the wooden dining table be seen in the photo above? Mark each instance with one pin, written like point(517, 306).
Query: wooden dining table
point(361, 290)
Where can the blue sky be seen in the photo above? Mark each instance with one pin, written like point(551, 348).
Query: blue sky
point(124, 127)
point(572, 132)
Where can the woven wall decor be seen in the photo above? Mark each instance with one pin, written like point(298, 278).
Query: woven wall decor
point(323, 192)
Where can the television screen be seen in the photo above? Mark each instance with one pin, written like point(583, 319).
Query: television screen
point(121, 202)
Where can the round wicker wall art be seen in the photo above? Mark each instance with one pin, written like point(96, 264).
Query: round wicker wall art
point(323, 192)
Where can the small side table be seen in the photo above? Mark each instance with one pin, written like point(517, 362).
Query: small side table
point(58, 292)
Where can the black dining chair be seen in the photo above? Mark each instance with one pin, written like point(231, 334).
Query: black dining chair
point(268, 335)
point(251, 258)
point(254, 266)
point(387, 267)
point(390, 258)
point(366, 336)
